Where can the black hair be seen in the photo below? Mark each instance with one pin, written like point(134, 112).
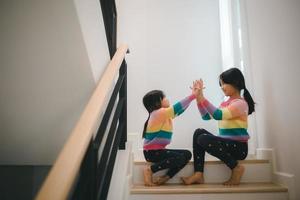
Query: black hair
point(234, 77)
point(152, 101)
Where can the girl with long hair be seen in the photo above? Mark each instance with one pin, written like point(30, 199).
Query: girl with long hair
point(232, 115)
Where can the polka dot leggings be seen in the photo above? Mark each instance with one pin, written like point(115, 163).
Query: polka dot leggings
point(229, 151)
point(172, 159)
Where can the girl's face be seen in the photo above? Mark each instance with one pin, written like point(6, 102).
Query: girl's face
point(165, 103)
point(228, 89)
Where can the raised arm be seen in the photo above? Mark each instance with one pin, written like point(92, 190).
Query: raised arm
point(177, 109)
point(204, 113)
point(198, 90)
point(182, 105)
point(235, 109)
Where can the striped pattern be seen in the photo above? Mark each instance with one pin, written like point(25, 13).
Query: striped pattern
point(232, 116)
point(159, 130)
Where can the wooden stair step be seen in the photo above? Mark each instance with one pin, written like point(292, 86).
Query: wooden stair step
point(257, 170)
point(208, 188)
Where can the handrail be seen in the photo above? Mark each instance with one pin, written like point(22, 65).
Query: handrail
point(63, 173)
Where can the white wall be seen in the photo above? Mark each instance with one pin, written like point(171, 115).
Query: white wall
point(46, 76)
point(93, 31)
point(171, 42)
point(274, 42)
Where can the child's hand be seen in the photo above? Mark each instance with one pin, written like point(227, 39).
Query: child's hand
point(197, 89)
point(200, 84)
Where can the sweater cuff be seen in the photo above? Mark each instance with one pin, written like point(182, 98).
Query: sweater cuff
point(192, 97)
point(203, 103)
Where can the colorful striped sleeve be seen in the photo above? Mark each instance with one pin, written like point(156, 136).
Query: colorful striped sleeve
point(235, 109)
point(175, 110)
point(204, 113)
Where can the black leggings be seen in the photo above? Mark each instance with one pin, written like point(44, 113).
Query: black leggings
point(229, 151)
point(172, 159)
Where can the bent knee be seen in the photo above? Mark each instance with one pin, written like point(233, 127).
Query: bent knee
point(199, 131)
point(203, 140)
point(185, 157)
point(188, 155)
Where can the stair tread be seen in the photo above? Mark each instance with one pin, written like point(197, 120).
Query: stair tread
point(208, 188)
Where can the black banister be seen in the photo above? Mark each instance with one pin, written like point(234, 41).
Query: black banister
point(123, 94)
point(107, 160)
point(110, 167)
point(97, 167)
point(110, 106)
point(109, 13)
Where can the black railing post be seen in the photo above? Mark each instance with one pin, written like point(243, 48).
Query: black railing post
point(109, 13)
point(85, 188)
point(97, 166)
point(94, 165)
point(111, 164)
point(123, 95)
point(106, 163)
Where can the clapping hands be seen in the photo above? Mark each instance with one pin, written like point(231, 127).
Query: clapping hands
point(198, 88)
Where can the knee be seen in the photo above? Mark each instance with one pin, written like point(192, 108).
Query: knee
point(199, 132)
point(203, 140)
point(184, 158)
point(187, 155)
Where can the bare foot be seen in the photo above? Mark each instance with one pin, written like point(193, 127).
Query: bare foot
point(236, 175)
point(196, 178)
point(148, 176)
point(160, 180)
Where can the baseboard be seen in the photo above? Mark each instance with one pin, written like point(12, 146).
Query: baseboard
point(282, 178)
point(287, 180)
point(127, 187)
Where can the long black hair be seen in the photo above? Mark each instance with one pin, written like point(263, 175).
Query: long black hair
point(152, 101)
point(234, 77)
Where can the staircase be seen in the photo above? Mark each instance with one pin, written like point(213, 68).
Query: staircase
point(255, 184)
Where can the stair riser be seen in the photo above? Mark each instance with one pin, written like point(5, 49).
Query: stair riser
point(213, 173)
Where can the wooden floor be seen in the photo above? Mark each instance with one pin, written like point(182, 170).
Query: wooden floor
point(208, 188)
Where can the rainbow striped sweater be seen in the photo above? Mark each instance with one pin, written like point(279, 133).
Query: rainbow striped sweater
point(159, 130)
point(232, 115)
